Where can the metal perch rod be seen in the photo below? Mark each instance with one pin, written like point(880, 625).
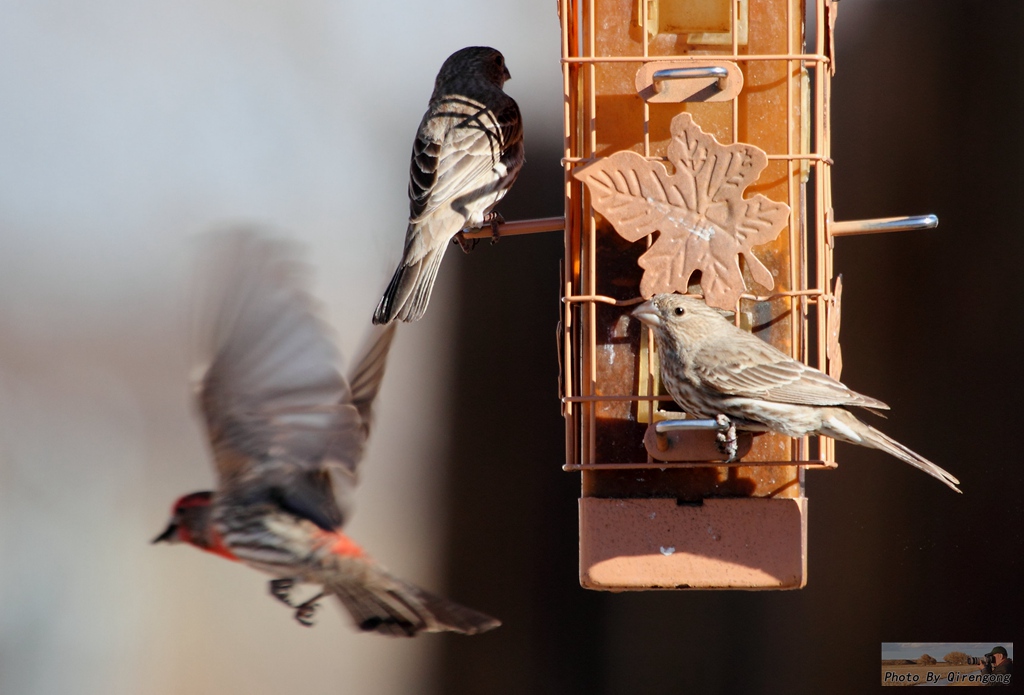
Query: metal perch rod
point(884, 224)
point(714, 71)
point(850, 228)
point(697, 424)
point(535, 226)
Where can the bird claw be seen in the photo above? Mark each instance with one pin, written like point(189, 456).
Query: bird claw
point(281, 590)
point(304, 613)
point(495, 220)
point(491, 219)
point(465, 244)
point(726, 439)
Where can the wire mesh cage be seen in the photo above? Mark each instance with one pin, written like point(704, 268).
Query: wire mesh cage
point(657, 510)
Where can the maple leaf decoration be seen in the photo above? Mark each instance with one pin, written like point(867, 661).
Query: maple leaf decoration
point(704, 221)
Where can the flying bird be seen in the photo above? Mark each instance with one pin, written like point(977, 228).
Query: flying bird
point(467, 154)
point(712, 368)
point(287, 432)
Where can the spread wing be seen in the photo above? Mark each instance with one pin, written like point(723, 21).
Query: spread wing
point(364, 381)
point(275, 405)
point(462, 149)
point(749, 367)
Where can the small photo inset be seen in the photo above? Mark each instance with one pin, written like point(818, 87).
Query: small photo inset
point(947, 663)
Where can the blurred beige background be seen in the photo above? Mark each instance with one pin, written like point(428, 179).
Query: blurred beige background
point(125, 130)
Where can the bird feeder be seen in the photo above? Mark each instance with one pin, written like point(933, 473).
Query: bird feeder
point(696, 159)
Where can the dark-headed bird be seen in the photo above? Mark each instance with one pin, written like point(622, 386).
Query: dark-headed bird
point(467, 154)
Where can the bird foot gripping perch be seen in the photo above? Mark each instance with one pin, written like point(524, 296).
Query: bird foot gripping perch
point(495, 220)
point(726, 437)
point(696, 440)
point(492, 219)
point(466, 244)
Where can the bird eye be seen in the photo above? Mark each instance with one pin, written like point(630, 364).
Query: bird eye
point(679, 311)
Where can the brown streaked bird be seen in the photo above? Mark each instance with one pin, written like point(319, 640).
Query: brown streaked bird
point(467, 154)
point(288, 432)
point(710, 368)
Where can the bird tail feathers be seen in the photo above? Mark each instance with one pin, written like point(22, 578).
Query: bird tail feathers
point(850, 429)
point(390, 606)
point(408, 293)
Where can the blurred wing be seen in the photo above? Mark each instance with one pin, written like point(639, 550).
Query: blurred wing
point(364, 383)
point(461, 147)
point(749, 367)
point(272, 390)
point(365, 378)
point(299, 490)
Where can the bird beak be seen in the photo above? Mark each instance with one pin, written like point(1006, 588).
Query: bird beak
point(647, 314)
point(508, 75)
point(169, 535)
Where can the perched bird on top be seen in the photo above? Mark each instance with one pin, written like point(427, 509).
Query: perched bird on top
point(287, 432)
point(468, 152)
point(710, 367)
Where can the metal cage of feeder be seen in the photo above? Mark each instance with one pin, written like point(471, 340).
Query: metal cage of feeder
point(657, 510)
